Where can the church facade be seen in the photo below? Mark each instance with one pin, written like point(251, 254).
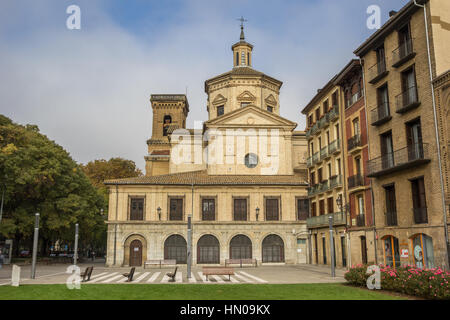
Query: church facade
point(241, 176)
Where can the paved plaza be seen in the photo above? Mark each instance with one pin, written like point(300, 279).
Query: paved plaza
point(276, 274)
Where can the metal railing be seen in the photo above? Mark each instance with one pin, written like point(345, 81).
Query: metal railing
point(407, 99)
point(333, 114)
point(335, 181)
point(323, 152)
point(399, 158)
point(376, 70)
point(309, 162)
point(402, 52)
point(315, 158)
point(322, 122)
point(420, 215)
point(380, 113)
point(324, 186)
point(313, 190)
point(356, 181)
point(354, 142)
point(338, 218)
point(361, 220)
point(334, 146)
point(391, 218)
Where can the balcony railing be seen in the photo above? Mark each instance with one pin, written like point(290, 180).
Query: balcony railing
point(322, 122)
point(377, 71)
point(356, 181)
point(324, 153)
point(403, 53)
point(407, 100)
point(314, 129)
point(391, 218)
point(315, 222)
point(333, 114)
point(381, 114)
point(413, 155)
point(324, 186)
point(309, 162)
point(335, 181)
point(315, 158)
point(312, 190)
point(334, 146)
point(354, 142)
point(420, 215)
point(361, 220)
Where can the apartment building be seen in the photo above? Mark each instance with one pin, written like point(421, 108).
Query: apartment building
point(404, 164)
point(326, 176)
point(356, 155)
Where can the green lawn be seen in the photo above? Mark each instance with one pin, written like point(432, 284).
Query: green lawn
point(192, 292)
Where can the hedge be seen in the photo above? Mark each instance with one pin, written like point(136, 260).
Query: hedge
point(426, 283)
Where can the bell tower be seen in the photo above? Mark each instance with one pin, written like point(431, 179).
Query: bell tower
point(169, 113)
point(242, 50)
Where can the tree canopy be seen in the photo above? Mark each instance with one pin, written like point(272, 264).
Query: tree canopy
point(40, 176)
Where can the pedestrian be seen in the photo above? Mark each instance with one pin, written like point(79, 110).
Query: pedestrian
point(93, 255)
point(1, 259)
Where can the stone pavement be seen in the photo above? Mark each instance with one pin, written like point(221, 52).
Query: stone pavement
point(276, 274)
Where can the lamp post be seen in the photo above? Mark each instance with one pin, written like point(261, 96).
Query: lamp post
point(330, 223)
point(159, 213)
point(189, 246)
point(75, 252)
point(35, 246)
point(257, 213)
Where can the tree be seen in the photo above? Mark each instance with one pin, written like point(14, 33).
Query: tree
point(40, 176)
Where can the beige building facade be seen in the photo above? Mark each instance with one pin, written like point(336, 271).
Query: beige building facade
point(241, 176)
point(404, 165)
point(325, 163)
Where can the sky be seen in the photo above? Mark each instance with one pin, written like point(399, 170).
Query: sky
point(89, 89)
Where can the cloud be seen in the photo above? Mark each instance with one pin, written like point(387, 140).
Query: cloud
point(89, 89)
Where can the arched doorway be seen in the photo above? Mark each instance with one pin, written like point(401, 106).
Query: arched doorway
point(135, 253)
point(208, 250)
point(135, 250)
point(175, 248)
point(272, 249)
point(240, 247)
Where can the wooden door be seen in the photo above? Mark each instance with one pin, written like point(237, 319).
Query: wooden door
point(135, 253)
point(363, 250)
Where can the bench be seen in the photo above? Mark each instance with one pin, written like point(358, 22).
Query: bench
point(129, 275)
point(87, 273)
point(172, 275)
point(241, 262)
point(160, 263)
point(221, 271)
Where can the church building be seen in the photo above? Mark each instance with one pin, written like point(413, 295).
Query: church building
point(241, 176)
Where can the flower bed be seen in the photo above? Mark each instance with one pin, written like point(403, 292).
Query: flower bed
point(426, 283)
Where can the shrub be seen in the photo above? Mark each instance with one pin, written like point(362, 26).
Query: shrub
point(426, 283)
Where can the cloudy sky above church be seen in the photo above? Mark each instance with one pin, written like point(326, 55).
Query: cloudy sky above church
point(89, 89)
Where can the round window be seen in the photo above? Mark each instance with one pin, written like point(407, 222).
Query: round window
point(251, 160)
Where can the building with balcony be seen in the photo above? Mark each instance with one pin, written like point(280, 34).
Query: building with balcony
point(404, 86)
point(326, 177)
point(356, 153)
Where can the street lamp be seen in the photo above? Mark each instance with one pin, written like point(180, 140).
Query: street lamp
point(257, 213)
point(159, 213)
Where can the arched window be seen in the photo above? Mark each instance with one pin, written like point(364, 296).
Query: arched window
point(175, 248)
point(272, 249)
point(391, 251)
point(423, 252)
point(240, 247)
point(208, 250)
point(166, 124)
